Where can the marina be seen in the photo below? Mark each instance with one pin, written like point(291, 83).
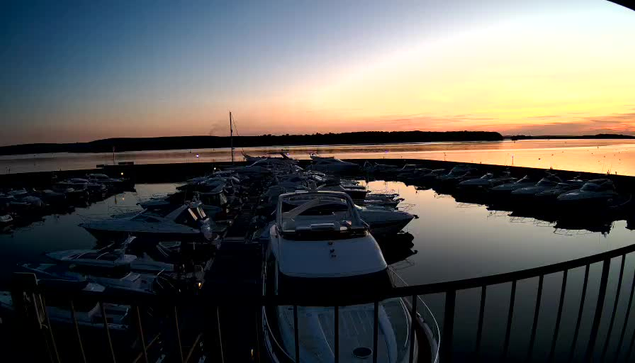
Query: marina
point(317, 182)
point(226, 267)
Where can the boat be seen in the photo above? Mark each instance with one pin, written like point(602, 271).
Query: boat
point(75, 192)
point(456, 175)
point(551, 195)
point(507, 188)
point(6, 220)
point(544, 184)
point(334, 165)
point(485, 182)
point(316, 157)
point(384, 222)
point(87, 314)
point(53, 199)
point(380, 169)
point(315, 253)
point(596, 193)
point(115, 184)
point(96, 190)
point(187, 222)
point(118, 279)
point(109, 257)
point(429, 178)
point(357, 192)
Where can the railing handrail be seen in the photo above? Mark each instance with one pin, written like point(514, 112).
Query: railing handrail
point(325, 300)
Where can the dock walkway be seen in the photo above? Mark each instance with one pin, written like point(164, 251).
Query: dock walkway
point(236, 271)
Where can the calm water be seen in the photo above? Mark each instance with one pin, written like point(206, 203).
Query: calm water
point(452, 240)
point(598, 156)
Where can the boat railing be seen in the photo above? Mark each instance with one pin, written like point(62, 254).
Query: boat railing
point(595, 310)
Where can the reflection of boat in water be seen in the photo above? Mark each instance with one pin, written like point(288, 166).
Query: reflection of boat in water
point(316, 254)
point(397, 248)
point(603, 226)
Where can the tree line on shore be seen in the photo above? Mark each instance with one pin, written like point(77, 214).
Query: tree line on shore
point(204, 142)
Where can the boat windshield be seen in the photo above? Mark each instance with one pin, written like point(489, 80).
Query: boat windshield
point(597, 186)
point(98, 255)
point(377, 282)
point(117, 272)
point(545, 182)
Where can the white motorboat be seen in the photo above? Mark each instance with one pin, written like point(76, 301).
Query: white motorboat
point(544, 184)
point(563, 187)
point(187, 222)
point(109, 257)
point(507, 188)
point(6, 220)
point(456, 175)
point(384, 222)
point(120, 279)
point(356, 192)
point(487, 181)
point(117, 184)
point(87, 315)
point(594, 193)
point(320, 246)
point(377, 168)
point(334, 165)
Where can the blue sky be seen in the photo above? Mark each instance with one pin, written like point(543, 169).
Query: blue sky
point(78, 70)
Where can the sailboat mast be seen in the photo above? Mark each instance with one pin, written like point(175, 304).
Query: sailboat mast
point(231, 136)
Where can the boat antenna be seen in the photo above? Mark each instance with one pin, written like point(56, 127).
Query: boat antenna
point(231, 136)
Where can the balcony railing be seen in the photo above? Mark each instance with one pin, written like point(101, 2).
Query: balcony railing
point(30, 299)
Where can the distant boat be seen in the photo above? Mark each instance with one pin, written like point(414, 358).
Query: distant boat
point(333, 165)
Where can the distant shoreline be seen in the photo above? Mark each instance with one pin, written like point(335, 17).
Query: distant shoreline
point(206, 142)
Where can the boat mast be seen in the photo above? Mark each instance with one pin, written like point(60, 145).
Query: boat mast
point(231, 136)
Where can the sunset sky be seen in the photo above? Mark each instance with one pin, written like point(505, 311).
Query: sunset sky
point(83, 70)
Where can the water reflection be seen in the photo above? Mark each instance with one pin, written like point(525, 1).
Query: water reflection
point(449, 241)
point(597, 156)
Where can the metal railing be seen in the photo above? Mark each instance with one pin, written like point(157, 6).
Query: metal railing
point(596, 347)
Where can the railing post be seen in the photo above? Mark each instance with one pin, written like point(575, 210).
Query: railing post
point(375, 329)
point(481, 316)
point(141, 336)
point(588, 356)
point(413, 322)
point(617, 300)
point(79, 337)
point(448, 326)
point(56, 354)
point(510, 318)
point(336, 337)
point(296, 333)
point(534, 326)
point(580, 310)
point(34, 343)
point(628, 313)
point(220, 336)
point(554, 340)
point(107, 329)
point(178, 333)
